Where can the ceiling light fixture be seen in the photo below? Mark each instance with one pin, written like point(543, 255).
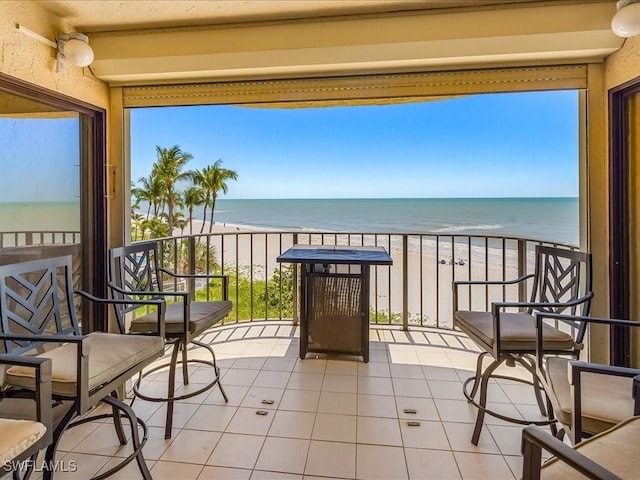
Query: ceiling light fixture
point(626, 21)
point(73, 47)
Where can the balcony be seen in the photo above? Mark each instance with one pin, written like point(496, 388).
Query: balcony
point(326, 417)
point(331, 416)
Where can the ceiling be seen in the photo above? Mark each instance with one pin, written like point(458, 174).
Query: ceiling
point(141, 42)
point(115, 15)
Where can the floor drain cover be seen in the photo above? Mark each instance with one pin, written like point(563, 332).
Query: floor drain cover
point(413, 411)
point(413, 424)
point(267, 402)
point(262, 412)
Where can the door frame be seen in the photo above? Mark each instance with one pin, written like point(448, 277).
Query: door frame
point(93, 206)
point(619, 217)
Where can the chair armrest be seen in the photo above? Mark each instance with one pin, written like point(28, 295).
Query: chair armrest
point(43, 387)
point(579, 318)
point(148, 293)
point(569, 319)
point(496, 306)
point(160, 303)
point(223, 277)
point(458, 283)
point(577, 368)
point(534, 439)
point(82, 359)
point(80, 340)
point(193, 275)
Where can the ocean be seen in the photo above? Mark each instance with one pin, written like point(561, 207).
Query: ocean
point(550, 219)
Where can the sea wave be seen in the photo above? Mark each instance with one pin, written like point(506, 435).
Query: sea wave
point(464, 228)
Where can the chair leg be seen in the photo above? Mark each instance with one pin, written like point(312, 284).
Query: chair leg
point(137, 444)
point(475, 438)
point(185, 365)
point(47, 473)
point(117, 422)
point(529, 365)
point(476, 381)
point(31, 463)
point(216, 368)
point(172, 389)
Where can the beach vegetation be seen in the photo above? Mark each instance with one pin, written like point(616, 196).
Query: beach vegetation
point(165, 201)
point(192, 197)
point(279, 290)
point(169, 170)
point(156, 227)
point(149, 191)
point(213, 179)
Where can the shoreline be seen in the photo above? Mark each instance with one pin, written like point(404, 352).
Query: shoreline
point(430, 270)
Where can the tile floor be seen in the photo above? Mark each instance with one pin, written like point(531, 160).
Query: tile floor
point(331, 417)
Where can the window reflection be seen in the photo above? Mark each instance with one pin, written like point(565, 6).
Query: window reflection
point(40, 186)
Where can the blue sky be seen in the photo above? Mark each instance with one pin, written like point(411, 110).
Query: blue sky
point(492, 145)
point(39, 160)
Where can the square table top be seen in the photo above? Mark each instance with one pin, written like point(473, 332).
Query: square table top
point(340, 254)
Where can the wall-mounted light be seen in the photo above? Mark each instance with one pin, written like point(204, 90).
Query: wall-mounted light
point(74, 47)
point(70, 47)
point(626, 21)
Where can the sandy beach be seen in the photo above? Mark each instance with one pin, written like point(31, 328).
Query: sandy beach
point(432, 264)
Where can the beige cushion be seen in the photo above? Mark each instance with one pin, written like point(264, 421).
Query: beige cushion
point(517, 331)
point(606, 399)
point(202, 316)
point(614, 449)
point(16, 436)
point(110, 355)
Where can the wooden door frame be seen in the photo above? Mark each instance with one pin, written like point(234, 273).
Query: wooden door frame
point(619, 217)
point(93, 206)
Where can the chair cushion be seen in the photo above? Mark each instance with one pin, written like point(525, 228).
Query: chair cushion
point(614, 449)
point(517, 331)
point(606, 399)
point(203, 315)
point(110, 355)
point(16, 436)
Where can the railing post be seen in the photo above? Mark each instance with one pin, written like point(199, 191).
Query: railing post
point(296, 316)
point(191, 282)
point(522, 269)
point(405, 282)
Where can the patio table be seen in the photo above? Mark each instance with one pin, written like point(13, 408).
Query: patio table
point(334, 296)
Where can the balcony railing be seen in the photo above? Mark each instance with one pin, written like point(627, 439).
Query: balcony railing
point(24, 238)
point(416, 290)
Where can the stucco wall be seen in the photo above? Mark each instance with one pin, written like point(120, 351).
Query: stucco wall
point(33, 61)
point(623, 65)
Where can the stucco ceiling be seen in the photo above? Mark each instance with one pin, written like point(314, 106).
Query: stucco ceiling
point(109, 15)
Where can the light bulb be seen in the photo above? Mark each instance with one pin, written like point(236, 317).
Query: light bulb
point(78, 52)
point(626, 22)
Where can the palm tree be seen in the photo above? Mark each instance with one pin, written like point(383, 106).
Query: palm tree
point(157, 228)
point(192, 197)
point(151, 192)
point(213, 179)
point(169, 166)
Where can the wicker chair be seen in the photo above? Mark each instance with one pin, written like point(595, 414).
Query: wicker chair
point(26, 430)
point(561, 283)
point(135, 272)
point(38, 317)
